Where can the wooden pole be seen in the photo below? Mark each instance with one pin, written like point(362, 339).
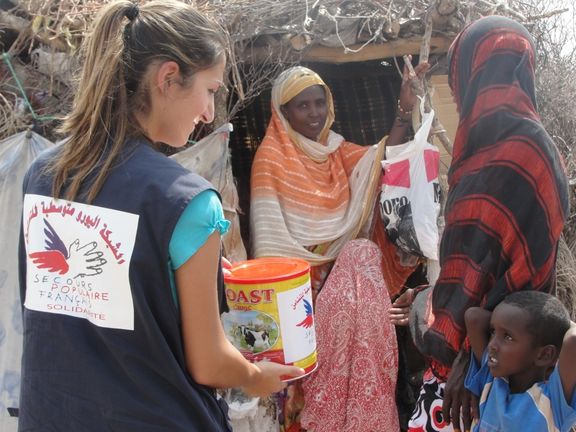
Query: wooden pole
point(437, 128)
point(421, 88)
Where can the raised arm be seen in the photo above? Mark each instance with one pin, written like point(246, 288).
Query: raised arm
point(478, 330)
point(406, 104)
point(211, 359)
point(566, 366)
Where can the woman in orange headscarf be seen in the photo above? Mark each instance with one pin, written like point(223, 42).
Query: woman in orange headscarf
point(312, 195)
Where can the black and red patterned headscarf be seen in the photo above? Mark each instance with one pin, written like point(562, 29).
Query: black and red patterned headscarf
point(508, 197)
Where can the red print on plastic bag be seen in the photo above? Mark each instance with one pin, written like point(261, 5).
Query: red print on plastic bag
point(398, 174)
point(432, 161)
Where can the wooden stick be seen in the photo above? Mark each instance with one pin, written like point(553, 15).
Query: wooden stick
point(443, 12)
point(425, 47)
point(421, 88)
point(12, 22)
point(437, 128)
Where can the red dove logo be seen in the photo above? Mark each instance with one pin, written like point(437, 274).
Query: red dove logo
point(57, 258)
point(309, 320)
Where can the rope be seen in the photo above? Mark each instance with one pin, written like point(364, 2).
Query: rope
point(6, 58)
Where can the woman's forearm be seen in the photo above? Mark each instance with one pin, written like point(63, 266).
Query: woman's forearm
point(210, 358)
point(406, 103)
point(222, 367)
point(400, 129)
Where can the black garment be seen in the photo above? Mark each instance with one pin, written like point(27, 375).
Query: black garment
point(78, 376)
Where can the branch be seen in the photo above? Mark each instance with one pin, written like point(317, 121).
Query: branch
point(437, 128)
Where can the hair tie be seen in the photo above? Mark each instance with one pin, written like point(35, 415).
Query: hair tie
point(132, 12)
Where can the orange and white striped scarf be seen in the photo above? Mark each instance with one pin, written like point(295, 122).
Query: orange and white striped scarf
point(305, 193)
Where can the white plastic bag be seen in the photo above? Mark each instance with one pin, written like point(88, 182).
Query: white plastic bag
point(410, 198)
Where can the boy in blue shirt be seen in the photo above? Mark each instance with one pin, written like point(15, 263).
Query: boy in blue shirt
point(522, 367)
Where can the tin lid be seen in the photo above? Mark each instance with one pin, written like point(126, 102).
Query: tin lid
point(266, 270)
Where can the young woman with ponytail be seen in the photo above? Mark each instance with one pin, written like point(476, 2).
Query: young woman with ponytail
point(120, 246)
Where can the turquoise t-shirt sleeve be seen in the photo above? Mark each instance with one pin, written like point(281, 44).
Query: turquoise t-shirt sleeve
point(199, 220)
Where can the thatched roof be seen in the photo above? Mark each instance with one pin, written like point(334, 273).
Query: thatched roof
point(43, 36)
point(350, 26)
point(297, 24)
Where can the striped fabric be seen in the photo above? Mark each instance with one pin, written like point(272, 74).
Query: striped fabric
point(508, 199)
point(307, 194)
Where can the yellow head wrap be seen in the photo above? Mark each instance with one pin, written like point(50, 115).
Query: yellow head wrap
point(291, 83)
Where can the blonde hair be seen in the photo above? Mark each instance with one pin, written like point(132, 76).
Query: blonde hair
point(126, 39)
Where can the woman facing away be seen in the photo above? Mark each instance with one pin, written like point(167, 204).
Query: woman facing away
point(120, 246)
point(312, 194)
point(505, 209)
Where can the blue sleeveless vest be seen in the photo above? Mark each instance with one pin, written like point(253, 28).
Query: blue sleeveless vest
point(103, 346)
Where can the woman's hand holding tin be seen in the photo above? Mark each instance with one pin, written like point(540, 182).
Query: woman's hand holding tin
point(269, 378)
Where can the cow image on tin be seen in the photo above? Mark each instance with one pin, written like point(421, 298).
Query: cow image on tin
point(251, 332)
point(258, 340)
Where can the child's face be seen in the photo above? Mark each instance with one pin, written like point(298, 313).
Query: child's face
point(511, 351)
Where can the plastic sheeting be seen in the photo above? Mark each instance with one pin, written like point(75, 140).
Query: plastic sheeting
point(16, 154)
point(210, 159)
point(251, 414)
